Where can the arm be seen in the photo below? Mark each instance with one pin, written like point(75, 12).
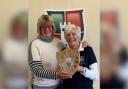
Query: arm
point(36, 65)
point(39, 71)
point(91, 73)
point(92, 70)
point(37, 68)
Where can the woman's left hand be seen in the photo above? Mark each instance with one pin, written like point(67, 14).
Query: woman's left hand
point(80, 69)
point(84, 44)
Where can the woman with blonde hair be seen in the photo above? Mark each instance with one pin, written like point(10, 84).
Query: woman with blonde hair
point(42, 56)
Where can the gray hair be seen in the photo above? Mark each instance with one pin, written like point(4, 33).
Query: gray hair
point(68, 28)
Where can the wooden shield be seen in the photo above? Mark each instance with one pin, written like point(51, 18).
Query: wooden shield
point(68, 60)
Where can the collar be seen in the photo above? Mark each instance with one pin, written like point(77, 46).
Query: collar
point(48, 40)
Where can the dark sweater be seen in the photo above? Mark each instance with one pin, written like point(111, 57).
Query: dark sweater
point(79, 81)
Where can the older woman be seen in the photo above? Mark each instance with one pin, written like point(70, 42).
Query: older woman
point(87, 70)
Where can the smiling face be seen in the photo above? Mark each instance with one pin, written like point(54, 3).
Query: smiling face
point(45, 26)
point(47, 31)
point(72, 39)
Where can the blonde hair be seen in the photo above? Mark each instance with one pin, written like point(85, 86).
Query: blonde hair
point(44, 21)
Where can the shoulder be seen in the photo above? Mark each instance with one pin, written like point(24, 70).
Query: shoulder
point(88, 48)
point(34, 42)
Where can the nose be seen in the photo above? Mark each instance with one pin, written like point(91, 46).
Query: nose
point(70, 35)
point(47, 29)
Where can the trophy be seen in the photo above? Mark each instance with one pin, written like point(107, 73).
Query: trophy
point(68, 60)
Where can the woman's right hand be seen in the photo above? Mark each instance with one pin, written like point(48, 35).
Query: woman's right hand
point(64, 75)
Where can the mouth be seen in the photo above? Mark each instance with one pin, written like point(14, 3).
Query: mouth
point(47, 33)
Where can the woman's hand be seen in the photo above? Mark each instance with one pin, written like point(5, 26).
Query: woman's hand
point(64, 75)
point(80, 69)
point(84, 44)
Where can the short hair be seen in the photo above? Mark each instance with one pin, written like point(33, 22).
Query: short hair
point(68, 28)
point(44, 21)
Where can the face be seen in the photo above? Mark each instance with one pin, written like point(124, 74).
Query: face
point(47, 31)
point(20, 31)
point(72, 39)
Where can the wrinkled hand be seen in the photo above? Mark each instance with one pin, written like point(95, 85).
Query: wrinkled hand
point(63, 75)
point(80, 69)
point(84, 44)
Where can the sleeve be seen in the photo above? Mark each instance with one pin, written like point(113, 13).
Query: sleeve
point(92, 72)
point(90, 55)
point(36, 65)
